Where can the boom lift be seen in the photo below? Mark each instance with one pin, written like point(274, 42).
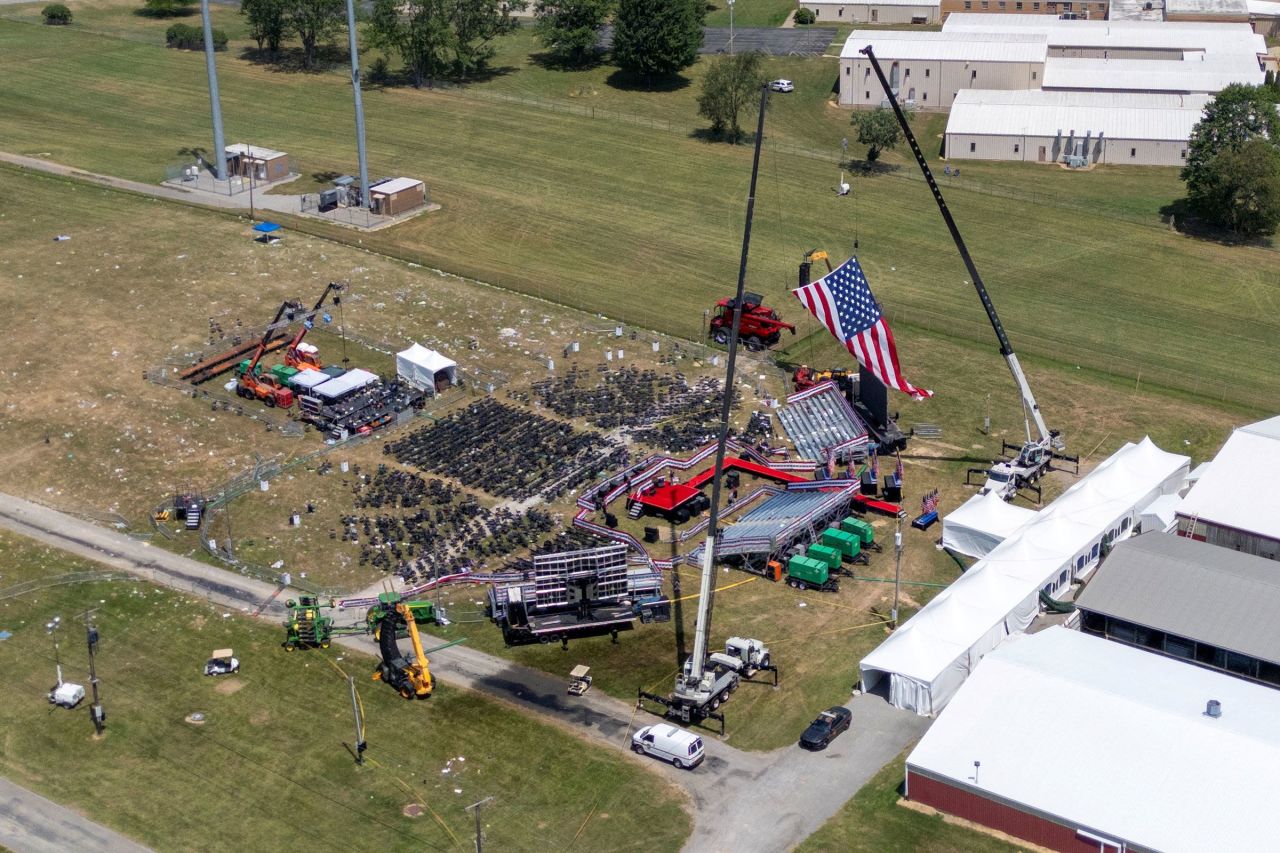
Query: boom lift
point(705, 683)
point(268, 388)
point(1006, 476)
point(303, 356)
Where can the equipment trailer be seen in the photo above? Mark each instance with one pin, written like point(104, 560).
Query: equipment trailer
point(705, 683)
point(1036, 455)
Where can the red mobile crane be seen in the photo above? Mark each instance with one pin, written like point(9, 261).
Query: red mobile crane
point(266, 388)
point(305, 358)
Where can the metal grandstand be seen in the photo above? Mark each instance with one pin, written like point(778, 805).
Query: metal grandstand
point(782, 520)
point(820, 422)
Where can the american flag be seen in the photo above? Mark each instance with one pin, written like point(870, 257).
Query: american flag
point(842, 300)
point(897, 471)
point(929, 503)
point(875, 467)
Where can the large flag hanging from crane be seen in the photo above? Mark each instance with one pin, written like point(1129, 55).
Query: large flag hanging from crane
point(842, 300)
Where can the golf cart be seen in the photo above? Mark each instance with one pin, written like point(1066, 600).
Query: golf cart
point(222, 663)
point(579, 680)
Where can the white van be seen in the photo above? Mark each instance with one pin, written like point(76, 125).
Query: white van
point(681, 748)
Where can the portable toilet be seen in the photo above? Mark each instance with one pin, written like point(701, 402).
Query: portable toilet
point(824, 554)
point(847, 544)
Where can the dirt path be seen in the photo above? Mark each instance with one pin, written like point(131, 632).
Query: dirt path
point(31, 824)
point(728, 792)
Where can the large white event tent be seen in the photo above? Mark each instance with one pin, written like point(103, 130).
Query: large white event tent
point(928, 658)
point(981, 523)
point(423, 367)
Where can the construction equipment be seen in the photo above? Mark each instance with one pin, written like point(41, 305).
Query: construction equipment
point(268, 388)
point(221, 662)
point(758, 325)
point(703, 684)
point(745, 657)
point(423, 613)
point(579, 680)
point(304, 356)
point(1037, 453)
point(805, 377)
point(411, 677)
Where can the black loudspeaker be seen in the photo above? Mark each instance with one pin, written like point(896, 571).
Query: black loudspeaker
point(868, 484)
point(805, 266)
point(610, 520)
point(651, 534)
point(892, 491)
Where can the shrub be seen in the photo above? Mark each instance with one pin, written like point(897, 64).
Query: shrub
point(56, 14)
point(805, 16)
point(166, 8)
point(187, 37)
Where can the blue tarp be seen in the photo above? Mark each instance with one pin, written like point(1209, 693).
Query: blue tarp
point(266, 227)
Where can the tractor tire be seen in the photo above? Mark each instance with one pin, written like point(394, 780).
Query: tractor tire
point(755, 344)
point(269, 401)
point(288, 647)
point(720, 336)
point(324, 644)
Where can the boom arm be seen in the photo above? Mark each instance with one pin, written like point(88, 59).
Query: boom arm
point(266, 335)
point(702, 627)
point(1006, 349)
point(310, 315)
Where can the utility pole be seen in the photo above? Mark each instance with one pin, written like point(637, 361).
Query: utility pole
point(361, 746)
point(355, 89)
point(219, 146)
point(476, 808)
point(730, 2)
point(253, 171)
point(897, 567)
point(96, 713)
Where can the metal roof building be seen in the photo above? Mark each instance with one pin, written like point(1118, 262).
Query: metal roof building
point(903, 45)
point(1200, 73)
point(1236, 502)
point(1189, 600)
point(1075, 743)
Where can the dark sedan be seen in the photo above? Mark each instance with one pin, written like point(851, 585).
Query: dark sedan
point(823, 730)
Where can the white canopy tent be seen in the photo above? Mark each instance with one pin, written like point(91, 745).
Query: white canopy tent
point(422, 368)
point(933, 652)
point(352, 380)
point(981, 523)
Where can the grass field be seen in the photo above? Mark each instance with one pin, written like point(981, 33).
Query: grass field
point(269, 765)
point(1080, 265)
point(872, 821)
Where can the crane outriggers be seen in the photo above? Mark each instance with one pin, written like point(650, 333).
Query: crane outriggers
point(1035, 456)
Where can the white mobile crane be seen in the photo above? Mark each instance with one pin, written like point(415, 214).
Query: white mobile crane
point(706, 681)
point(1034, 457)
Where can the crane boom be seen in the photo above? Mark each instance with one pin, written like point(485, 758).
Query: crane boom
point(703, 625)
point(287, 305)
point(1006, 349)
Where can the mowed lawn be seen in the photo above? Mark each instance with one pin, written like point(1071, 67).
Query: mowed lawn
point(269, 765)
point(643, 223)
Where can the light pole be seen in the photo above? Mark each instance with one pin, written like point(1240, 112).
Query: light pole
point(49, 628)
point(730, 2)
point(897, 567)
point(253, 170)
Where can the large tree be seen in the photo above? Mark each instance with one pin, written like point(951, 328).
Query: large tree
point(570, 29)
point(476, 23)
point(1239, 189)
point(267, 25)
point(1237, 114)
point(418, 31)
point(657, 38)
point(314, 21)
point(731, 89)
point(878, 130)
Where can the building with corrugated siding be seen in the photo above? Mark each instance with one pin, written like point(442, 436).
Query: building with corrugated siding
point(1076, 743)
point(1101, 127)
point(260, 163)
point(397, 195)
point(1085, 9)
point(874, 12)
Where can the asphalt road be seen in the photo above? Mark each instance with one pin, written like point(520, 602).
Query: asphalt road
point(31, 824)
point(759, 801)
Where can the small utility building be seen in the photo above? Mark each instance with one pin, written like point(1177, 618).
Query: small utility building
point(1236, 501)
point(262, 164)
point(1188, 600)
point(1078, 744)
point(874, 11)
point(426, 369)
point(395, 196)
